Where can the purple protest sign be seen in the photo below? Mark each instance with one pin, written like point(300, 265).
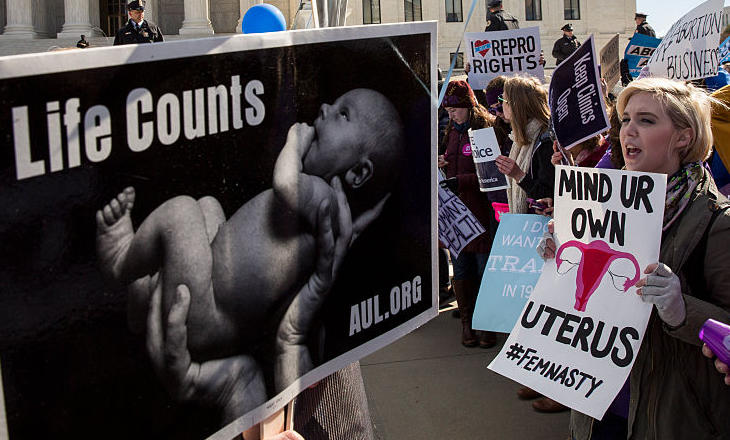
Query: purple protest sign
point(576, 99)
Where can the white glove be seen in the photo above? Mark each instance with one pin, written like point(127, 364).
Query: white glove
point(546, 247)
point(663, 289)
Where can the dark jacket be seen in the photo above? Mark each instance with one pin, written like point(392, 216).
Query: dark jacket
point(645, 29)
point(461, 166)
point(675, 391)
point(148, 33)
point(501, 21)
point(564, 47)
point(539, 180)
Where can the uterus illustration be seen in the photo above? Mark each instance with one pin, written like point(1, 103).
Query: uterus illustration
point(596, 258)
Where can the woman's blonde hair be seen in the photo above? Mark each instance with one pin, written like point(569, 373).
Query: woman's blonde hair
point(687, 107)
point(527, 99)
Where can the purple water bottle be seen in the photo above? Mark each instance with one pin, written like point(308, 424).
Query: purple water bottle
point(717, 337)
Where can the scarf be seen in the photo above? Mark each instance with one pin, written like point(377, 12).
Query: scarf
point(680, 187)
point(522, 155)
point(461, 128)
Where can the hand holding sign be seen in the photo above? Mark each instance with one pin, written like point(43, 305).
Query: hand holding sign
point(509, 167)
point(663, 289)
point(546, 247)
point(576, 99)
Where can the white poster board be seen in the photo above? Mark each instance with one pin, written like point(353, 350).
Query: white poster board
point(485, 150)
point(579, 333)
point(690, 50)
point(491, 54)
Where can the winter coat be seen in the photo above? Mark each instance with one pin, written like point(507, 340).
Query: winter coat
point(461, 166)
point(676, 393)
point(564, 47)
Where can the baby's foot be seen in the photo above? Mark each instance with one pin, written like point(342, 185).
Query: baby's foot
point(114, 233)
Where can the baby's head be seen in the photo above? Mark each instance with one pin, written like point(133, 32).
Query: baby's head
point(359, 133)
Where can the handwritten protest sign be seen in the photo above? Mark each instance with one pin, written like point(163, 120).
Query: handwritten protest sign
point(457, 225)
point(576, 100)
point(511, 272)
point(637, 53)
point(503, 53)
point(579, 333)
point(690, 50)
point(215, 137)
point(610, 68)
point(485, 149)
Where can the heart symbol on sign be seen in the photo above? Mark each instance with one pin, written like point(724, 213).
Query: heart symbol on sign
point(482, 46)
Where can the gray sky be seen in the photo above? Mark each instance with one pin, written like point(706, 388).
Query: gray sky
point(662, 13)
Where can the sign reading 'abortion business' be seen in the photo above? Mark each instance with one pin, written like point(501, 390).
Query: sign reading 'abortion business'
point(576, 100)
point(571, 343)
point(690, 50)
point(503, 53)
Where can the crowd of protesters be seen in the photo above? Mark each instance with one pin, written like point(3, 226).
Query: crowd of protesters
point(675, 388)
point(658, 126)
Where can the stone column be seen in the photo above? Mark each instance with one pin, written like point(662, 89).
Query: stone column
point(244, 5)
point(197, 18)
point(151, 11)
point(20, 20)
point(76, 19)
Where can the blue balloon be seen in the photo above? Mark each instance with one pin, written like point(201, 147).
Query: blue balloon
point(263, 18)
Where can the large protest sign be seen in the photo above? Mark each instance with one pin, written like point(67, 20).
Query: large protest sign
point(579, 333)
point(576, 100)
point(503, 53)
point(638, 51)
point(485, 149)
point(457, 224)
point(690, 50)
point(610, 68)
point(235, 154)
point(511, 272)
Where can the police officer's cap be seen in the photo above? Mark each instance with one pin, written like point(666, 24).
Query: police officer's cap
point(495, 3)
point(567, 28)
point(135, 6)
point(640, 15)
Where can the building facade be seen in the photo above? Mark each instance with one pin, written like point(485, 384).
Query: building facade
point(67, 19)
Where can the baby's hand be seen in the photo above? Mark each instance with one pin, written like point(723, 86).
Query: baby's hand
point(300, 136)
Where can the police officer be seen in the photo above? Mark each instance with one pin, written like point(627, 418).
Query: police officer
point(82, 43)
point(642, 26)
point(498, 20)
point(137, 30)
point(565, 45)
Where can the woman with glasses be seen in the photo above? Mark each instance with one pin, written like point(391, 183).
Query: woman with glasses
point(528, 167)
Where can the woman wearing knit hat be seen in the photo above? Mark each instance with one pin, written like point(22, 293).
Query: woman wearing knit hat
point(465, 113)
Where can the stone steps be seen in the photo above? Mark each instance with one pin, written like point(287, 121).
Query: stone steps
point(14, 46)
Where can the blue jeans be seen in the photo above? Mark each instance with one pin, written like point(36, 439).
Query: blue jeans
point(470, 266)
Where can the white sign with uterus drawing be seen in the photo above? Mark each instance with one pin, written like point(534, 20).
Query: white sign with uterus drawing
point(579, 333)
